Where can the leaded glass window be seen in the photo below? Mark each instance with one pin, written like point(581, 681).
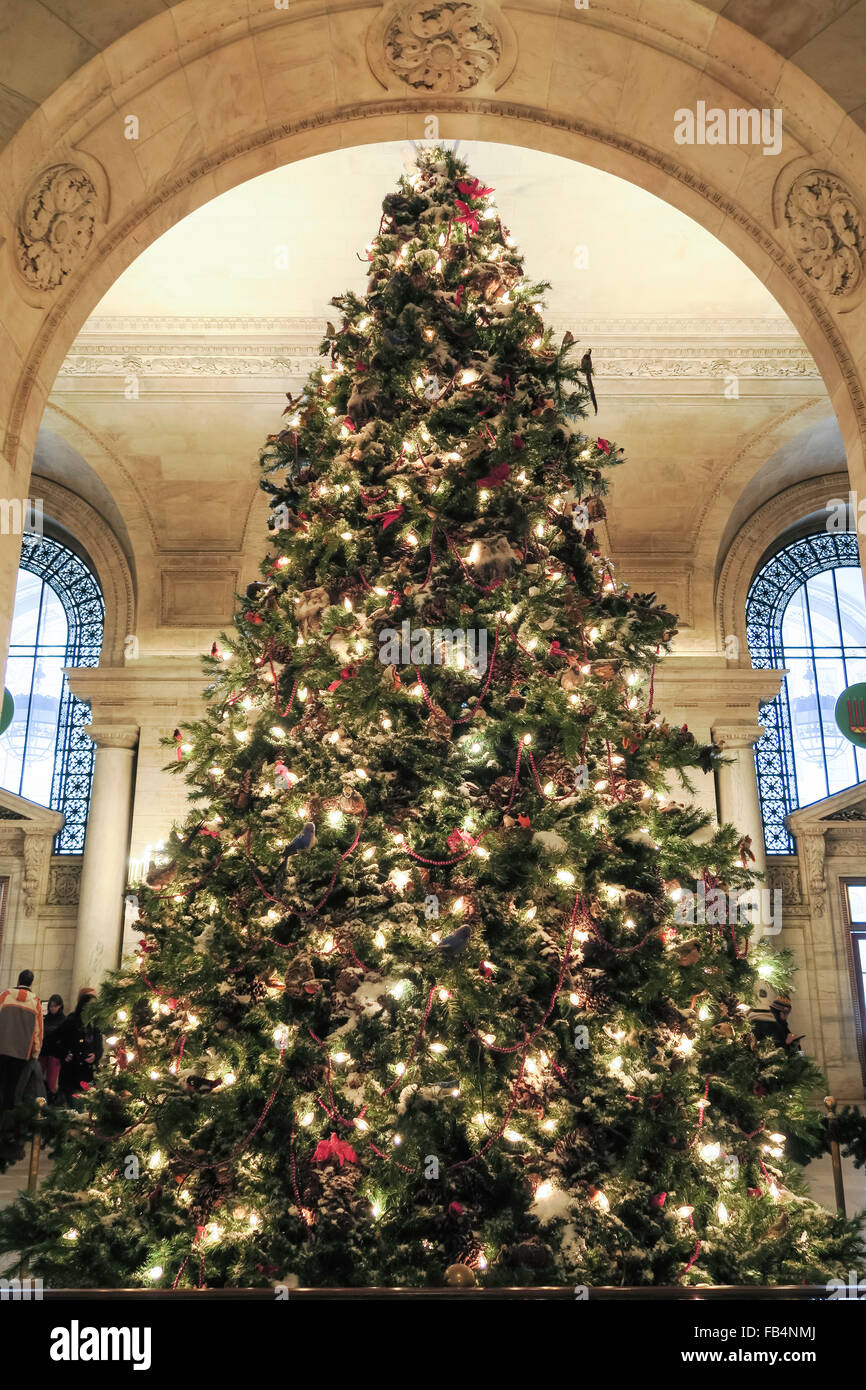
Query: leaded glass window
point(58, 621)
point(805, 612)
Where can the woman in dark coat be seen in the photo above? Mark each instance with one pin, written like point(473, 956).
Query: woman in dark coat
point(49, 1057)
point(80, 1045)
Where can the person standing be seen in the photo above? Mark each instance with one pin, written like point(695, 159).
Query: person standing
point(79, 1042)
point(49, 1057)
point(20, 1035)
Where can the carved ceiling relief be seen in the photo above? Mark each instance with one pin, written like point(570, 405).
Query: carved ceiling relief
point(827, 231)
point(444, 47)
point(56, 225)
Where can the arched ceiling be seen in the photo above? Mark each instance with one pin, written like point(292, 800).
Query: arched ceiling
point(221, 315)
point(44, 42)
point(287, 241)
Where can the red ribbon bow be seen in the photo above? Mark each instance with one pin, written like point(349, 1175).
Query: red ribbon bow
point(458, 838)
point(387, 517)
point(473, 189)
point(604, 445)
point(334, 1148)
point(496, 477)
point(467, 217)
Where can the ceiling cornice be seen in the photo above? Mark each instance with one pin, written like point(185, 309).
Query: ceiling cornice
point(280, 349)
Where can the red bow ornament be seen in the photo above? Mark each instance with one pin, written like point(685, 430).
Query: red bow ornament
point(387, 517)
point(458, 838)
point(345, 675)
point(326, 1149)
point(467, 217)
point(496, 477)
point(473, 189)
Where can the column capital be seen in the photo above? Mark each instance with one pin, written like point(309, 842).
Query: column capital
point(113, 735)
point(731, 736)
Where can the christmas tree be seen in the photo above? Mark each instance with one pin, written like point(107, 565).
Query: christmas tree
point(416, 997)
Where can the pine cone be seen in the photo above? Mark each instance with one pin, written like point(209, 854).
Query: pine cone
point(438, 725)
point(554, 768)
point(500, 791)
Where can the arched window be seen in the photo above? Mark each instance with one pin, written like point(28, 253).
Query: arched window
point(805, 612)
point(58, 621)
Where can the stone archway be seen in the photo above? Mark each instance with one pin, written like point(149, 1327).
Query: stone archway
point(190, 104)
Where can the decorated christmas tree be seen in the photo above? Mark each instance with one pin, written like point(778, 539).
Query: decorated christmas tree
point(416, 998)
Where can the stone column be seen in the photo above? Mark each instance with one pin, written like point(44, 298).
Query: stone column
point(738, 784)
point(104, 872)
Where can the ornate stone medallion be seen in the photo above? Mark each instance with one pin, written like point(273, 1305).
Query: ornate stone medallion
point(445, 48)
point(828, 231)
point(55, 225)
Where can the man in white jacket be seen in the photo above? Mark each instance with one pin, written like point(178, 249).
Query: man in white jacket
point(20, 1034)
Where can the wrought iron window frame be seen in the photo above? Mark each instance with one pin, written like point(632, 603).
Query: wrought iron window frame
point(77, 589)
point(770, 592)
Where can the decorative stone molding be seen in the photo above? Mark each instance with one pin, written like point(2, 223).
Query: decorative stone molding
point(827, 231)
point(810, 852)
point(846, 849)
point(112, 327)
point(636, 361)
point(37, 852)
point(732, 736)
point(441, 47)
point(632, 348)
point(64, 882)
point(55, 225)
point(786, 878)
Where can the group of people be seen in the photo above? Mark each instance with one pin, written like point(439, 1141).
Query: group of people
point(54, 1055)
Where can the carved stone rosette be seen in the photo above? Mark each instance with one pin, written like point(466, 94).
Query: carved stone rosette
point(441, 47)
point(64, 882)
point(55, 226)
point(827, 231)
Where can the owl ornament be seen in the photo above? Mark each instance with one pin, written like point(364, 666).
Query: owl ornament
point(492, 558)
point(309, 609)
